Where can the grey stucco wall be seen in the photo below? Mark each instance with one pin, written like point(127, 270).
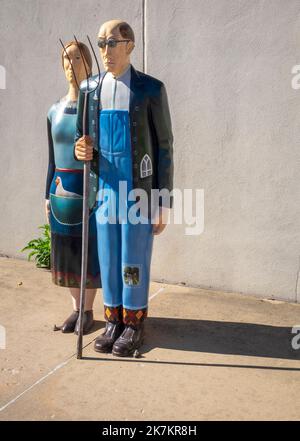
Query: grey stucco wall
point(227, 68)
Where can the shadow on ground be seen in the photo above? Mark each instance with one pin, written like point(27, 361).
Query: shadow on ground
point(232, 338)
point(227, 338)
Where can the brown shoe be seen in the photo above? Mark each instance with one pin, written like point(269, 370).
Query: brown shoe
point(69, 324)
point(105, 341)
point(130, 340)
point(88, 322)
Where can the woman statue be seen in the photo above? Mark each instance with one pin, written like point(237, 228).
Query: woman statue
point(64, 189)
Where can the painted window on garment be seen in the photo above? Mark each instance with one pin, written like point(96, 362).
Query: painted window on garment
point(146, 166)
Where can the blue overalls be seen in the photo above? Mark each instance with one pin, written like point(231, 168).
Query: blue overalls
point(124, 249)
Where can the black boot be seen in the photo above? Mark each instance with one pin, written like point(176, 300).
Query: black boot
point(105, 341)
point(130, 340)
point(69, 324)
point(88, 322)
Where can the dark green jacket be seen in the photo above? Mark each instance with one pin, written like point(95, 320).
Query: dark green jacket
point(150, 128)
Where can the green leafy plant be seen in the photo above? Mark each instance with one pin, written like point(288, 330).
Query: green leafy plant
point(40, 248)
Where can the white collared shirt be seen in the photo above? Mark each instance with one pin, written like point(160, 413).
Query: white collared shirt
point(115, 91)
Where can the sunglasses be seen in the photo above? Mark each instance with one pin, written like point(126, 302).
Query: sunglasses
point(111, 42)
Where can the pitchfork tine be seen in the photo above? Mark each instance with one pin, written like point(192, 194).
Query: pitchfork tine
point(65, 51)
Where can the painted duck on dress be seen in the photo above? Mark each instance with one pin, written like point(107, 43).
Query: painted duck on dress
point(66, 206)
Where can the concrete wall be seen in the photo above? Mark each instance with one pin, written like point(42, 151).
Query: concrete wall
point(227, 67)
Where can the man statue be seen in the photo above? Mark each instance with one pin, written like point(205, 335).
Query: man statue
point(130, 142)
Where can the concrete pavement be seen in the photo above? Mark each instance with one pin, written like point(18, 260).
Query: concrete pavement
point(208, 355)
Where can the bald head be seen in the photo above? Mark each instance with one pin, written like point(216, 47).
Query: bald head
point(116, 58)
point(122, 26)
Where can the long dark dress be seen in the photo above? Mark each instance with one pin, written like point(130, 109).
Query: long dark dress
point(64, 189)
